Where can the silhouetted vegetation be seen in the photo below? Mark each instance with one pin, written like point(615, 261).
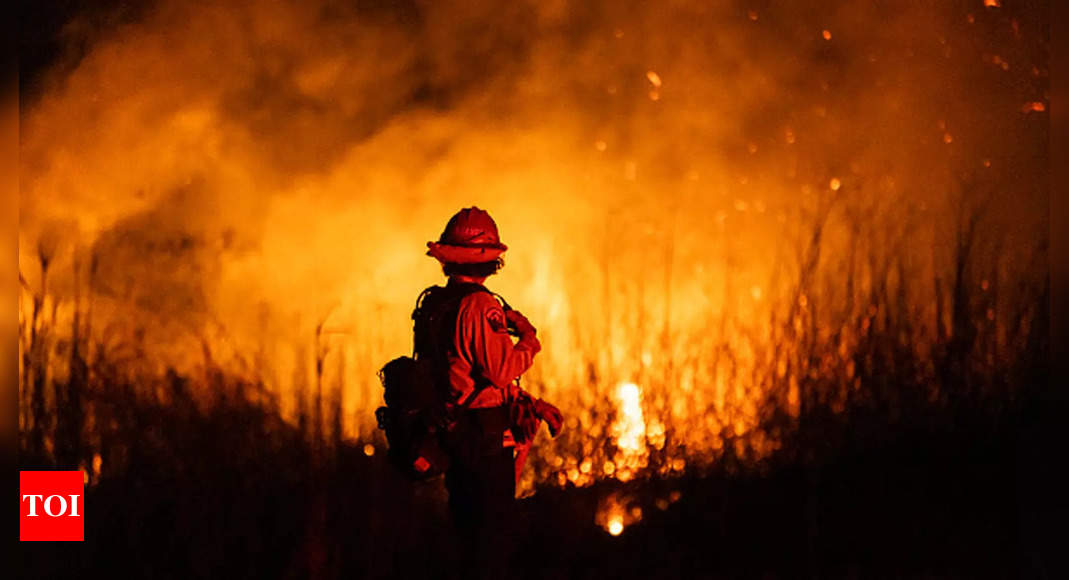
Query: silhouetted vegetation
point(896, 454)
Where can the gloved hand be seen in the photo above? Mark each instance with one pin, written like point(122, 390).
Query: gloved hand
point(551, 415)
point(518, 321)
point(525, 420)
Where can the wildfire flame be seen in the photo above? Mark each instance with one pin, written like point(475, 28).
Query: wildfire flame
point(246, 189)
point(629, 432)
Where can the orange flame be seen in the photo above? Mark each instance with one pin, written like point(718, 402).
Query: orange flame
point(250, 187)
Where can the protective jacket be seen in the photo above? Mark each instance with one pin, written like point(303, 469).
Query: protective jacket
point(480, 359)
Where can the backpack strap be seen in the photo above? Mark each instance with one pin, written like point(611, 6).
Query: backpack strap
point(416, 311)
point(501, 299)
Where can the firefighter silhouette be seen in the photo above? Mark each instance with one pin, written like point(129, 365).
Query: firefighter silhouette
point(470, 335)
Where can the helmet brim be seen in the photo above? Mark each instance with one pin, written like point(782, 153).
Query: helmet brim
point(447, 253)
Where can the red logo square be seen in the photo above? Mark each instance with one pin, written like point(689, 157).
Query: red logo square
point(51, 506)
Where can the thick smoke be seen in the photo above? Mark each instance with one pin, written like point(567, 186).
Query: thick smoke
point(239, 173)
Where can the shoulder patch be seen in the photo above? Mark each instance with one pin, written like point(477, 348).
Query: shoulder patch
point(495, 317)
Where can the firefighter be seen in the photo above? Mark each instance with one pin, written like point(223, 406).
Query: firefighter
point(479, 366)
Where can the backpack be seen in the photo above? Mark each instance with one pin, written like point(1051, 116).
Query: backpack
point(416, 389)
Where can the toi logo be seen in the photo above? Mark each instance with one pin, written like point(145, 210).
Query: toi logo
point(51, 506)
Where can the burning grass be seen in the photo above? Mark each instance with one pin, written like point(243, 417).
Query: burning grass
point(843, 367)
point(753, 241)
point(897, 343)
point(864, 345)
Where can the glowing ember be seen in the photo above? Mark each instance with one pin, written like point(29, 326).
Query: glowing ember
point(616, 512)
point(992, 3)
point(827, 34)
point(369, 450)
point(835, 184)
point(654, 78)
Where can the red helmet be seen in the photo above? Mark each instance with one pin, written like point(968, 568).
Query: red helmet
point(469, 237)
